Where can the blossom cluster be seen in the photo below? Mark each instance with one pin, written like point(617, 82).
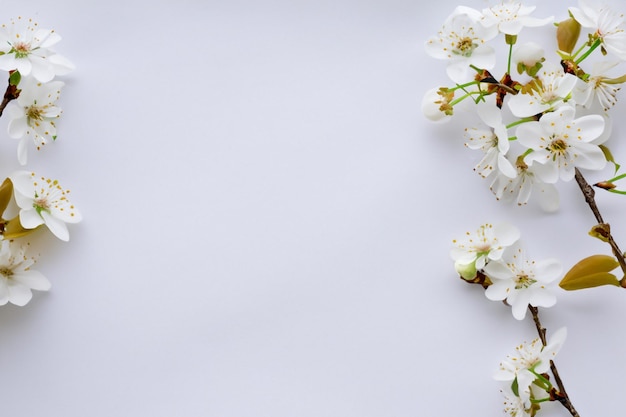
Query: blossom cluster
point(26, 49)
point(543, 115)
point(548, 113)
point(30, 201)
point(494, 256)
point(524, 375)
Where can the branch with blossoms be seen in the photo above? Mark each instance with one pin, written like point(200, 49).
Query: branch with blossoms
point(30, 202)
point(544, 120)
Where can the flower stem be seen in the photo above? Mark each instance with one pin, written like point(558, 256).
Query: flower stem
point(589, 194)
point(559, 395)
point(520, 121)
point(589, 51)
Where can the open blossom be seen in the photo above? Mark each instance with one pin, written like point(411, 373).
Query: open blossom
point(560, 143)
point(487, 244)
point(27, 48)
point(43, 201)
point(511, 16)
point(530, 359)
point(551, 88)
point(462, 42)
point(523, 185)
point(33, 115)
point(16, 278)
point(607, 25)
point(494, 142)
point(599, 87)
point(522, 282)
point(515, 406)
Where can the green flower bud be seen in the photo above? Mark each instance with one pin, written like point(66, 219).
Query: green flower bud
point(466, 271)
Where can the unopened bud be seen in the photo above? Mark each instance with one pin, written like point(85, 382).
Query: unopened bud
point(593, 271)
point(567, 33)
point(466, 271)
point(606, 185)
point(601, 231)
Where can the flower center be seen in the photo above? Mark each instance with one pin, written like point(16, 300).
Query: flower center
point(548, 96)
point(6, 272)
point(465, 46)
point(22, 49)
point(558, 146)
point(523, 281)
point(41, 204)
point(34, 113)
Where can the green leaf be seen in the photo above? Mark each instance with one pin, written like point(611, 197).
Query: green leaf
point(515, 387)
point(590, 272)
point(15, 77)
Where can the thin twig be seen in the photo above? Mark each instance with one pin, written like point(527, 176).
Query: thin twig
point(11, 93)
point(560, 395)
point(589, 194)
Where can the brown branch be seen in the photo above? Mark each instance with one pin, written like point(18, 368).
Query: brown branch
point(11, 93)
point(589, 194)
point(559, 395)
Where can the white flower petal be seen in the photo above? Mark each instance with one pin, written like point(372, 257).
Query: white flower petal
point(542, 299)
point(19, 294)
point(497, 291)
point(32, 279)
point(56, 226)
point(29, 218)
point(548, 270)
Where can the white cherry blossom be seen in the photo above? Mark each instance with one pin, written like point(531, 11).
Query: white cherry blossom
point(599, 87)
point(494, 141)
point(522, 282)
point(525, 184)
point(606, 24)
point(551, 88)
point(514, 405)
point(486, 244)
point(560, 143)
point(43, 201)
point(33, 115)
point(511, 16)
point(462, 42)
point(530, 359)
point(27, 48)
point(16, 278)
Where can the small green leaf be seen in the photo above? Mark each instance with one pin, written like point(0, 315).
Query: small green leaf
point(590, 272)
point(515, 387)
point(15, 77)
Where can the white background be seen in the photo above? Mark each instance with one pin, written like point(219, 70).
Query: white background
point(267, 220)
